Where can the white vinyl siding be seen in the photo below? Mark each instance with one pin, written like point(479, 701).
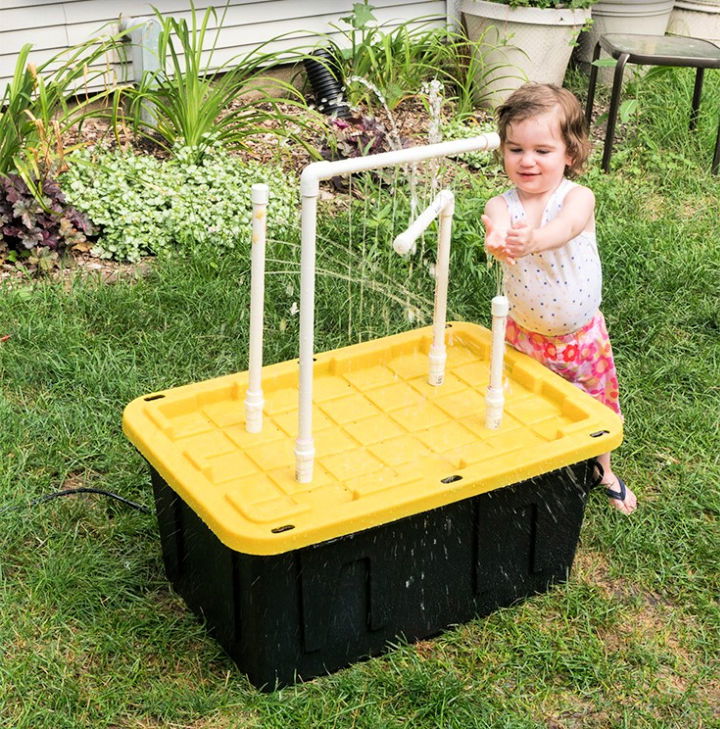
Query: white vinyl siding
point(51, 26)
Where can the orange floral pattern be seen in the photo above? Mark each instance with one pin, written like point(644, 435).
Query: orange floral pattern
point(583, 357)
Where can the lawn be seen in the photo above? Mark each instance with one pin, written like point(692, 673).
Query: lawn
point(94, 636)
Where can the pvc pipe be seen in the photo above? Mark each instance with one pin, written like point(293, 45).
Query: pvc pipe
point(324, 170)
point(254, 396)
point(406, 240)
point(310, 189)
point(444, 206)
point(495, 396)
point(436, 375)
point(304, 445)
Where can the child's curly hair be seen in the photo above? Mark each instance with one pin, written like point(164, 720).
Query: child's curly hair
point(532, 99)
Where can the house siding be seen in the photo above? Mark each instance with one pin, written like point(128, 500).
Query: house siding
point(51, 26)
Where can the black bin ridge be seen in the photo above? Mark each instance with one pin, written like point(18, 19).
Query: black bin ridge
point(304, 613)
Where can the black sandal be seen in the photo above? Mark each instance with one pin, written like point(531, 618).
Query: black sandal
point(619, 495)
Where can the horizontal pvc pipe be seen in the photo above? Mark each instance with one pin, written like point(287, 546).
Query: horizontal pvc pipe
point(404, 242)
point(324, 170)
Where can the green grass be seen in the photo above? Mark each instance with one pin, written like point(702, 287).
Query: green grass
point(92, 634)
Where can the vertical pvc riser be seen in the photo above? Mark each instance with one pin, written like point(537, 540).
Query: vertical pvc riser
point(304, 445)
point(438, 354)
point(443, 206)
point(254, 396)
point(495, 397)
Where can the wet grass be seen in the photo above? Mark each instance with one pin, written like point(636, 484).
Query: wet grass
point(93, 636)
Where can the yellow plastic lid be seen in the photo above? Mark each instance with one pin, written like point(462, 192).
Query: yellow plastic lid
point(388, 444)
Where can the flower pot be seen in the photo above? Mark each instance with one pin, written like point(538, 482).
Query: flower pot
point(642, 17)
point(696, 19)
point(519, 44)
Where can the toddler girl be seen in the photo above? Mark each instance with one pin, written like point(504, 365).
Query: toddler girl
point(543, 233)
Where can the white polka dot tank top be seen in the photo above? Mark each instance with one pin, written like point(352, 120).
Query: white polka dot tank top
point(559, 291)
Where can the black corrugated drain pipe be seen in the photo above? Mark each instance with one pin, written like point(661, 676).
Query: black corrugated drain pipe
point(325, 84)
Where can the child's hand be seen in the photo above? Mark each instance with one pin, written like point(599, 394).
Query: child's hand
point(520, 240)
point(495, 241)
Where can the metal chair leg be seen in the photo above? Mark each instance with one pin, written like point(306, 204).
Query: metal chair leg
point(716, 157)
point(612, 113)
point(697, 92)
point(591, 86)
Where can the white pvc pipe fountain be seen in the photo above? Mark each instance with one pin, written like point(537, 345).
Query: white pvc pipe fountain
point(310, 189)
point(254, 396)
point(443, 206)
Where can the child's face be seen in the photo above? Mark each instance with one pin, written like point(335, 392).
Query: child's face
point(535, 154)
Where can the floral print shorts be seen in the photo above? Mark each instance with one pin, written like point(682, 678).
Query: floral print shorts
point(583, 357)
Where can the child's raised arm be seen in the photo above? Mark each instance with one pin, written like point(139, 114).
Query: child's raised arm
point(575, 216)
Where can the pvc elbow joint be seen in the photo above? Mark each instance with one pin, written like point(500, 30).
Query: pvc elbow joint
point(403, 243)
point(310, 179)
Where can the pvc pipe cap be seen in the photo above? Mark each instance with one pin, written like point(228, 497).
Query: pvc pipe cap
point(260, 193)
point(500, 306)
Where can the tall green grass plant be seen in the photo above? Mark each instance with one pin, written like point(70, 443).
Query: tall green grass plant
point(41, 104)
point(397, 59)
point(193, 102)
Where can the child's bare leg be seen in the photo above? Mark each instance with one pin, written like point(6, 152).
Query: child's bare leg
point(611, 481)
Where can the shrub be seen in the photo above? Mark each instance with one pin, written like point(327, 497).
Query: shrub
point(38, 219)
point(143, 205)
point(391, 64)
point(463, 129)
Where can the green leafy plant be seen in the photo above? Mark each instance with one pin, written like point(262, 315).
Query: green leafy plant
point(143, 205)
point(462, 67)
point(41, 103)
point(394, 63)
point(182, 103)
point(37, 228)
point(572, 4)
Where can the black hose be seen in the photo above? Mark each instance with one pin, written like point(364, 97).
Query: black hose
point(81, 490)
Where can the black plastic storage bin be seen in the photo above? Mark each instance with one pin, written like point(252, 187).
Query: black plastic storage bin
point(303, 613)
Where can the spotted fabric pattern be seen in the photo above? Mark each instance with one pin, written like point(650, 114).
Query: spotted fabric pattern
point(583, 357)
point(557, 291)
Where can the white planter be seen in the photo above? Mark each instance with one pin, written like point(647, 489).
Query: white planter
point(519, 45)
point(642, 17)
point(697, 19)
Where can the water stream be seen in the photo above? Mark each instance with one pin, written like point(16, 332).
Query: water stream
point(394, 140)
